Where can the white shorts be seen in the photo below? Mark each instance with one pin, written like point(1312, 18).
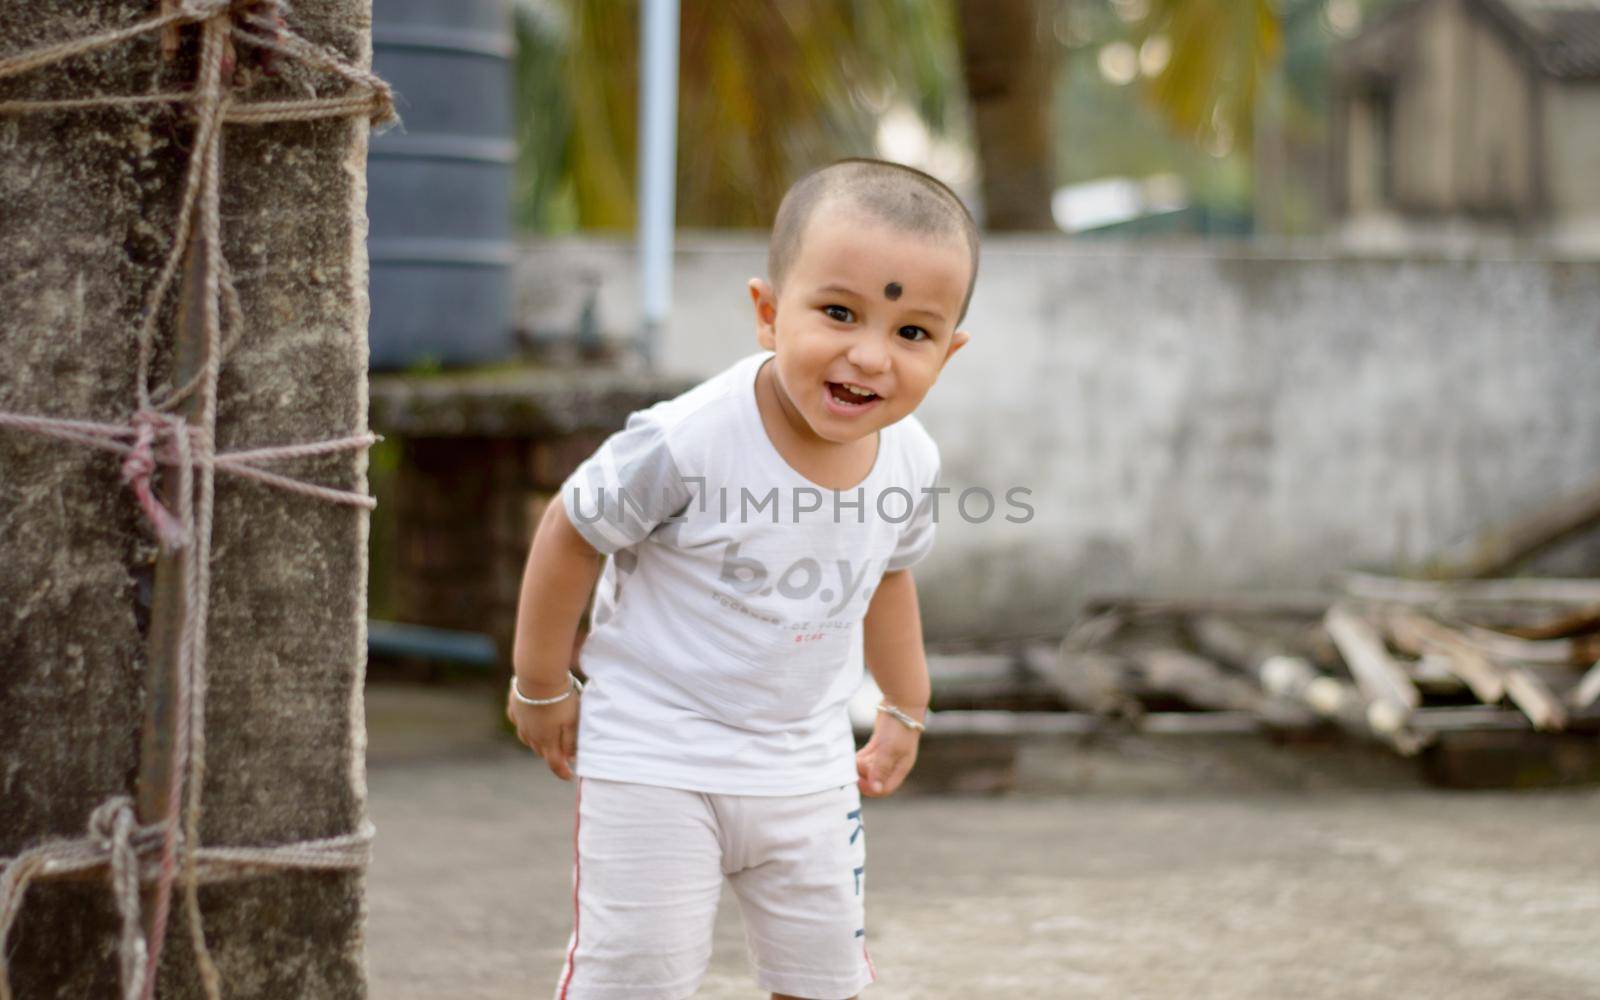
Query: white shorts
point(648, 875)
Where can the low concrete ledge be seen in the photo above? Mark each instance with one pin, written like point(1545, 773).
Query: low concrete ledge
point(515, 402)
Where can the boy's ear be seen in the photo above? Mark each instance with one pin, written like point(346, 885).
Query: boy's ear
point(957, 341)
point(766, 305)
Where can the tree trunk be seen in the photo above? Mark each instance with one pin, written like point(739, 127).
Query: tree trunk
point(1009, 68)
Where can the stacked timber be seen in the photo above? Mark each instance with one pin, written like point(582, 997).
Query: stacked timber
point(1403, 661)
point(1394, 660)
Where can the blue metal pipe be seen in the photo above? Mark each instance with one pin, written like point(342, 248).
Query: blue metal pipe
point(658, 156)
point(472, 649)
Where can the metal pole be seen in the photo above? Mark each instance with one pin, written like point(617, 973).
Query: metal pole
point(658, 152)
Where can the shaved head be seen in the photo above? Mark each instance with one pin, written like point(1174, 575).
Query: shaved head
point(900, 196)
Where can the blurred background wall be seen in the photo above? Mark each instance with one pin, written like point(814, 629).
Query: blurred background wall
point(1192, 415)
point(1270, 288)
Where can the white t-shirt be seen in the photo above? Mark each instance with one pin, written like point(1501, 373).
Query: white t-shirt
point(725, 634)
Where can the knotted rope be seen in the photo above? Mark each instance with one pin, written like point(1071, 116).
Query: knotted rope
point(133, 854)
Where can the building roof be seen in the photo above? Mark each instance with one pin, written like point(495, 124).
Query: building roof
point(1563, 36)
point(1558, 37)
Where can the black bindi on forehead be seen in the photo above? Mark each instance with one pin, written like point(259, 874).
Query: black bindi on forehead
point(892, 290)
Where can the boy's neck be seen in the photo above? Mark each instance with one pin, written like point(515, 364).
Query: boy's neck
point(826, 463)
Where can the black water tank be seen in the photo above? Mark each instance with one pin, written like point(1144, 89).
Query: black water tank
point(438, 192)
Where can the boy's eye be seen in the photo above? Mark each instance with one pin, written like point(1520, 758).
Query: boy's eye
point(839, 313)
point(911, 333)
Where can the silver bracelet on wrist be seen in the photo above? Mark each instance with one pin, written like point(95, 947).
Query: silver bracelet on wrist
point(901, 717)
point(574, 687)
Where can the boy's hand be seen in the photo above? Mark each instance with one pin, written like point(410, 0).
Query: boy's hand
point(551, 731)
point(887, 758)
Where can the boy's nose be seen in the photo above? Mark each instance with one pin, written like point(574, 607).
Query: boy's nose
point(869, 355)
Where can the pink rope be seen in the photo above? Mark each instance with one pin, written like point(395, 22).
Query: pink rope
point(139, 466)
point(153, 434)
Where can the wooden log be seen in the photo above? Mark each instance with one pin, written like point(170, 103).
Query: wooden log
point(1433, 673)
point(1569, 623)
point(1205, 684)
point(1195, 679)
point(969, 676)
point(1046, 724)
point(1535, 698)
point(1097, 682)
point(1501, 549)
point(1420, 635)
point(1425, 723)
point(1428, 722)
point(1489, 680)
point(1531, 590)
point(992, 723)
point(1094, 631)
point(1499, 645)
point(1391, 696)
point(1587, 691)
point(1112, 682)
point(1281, 673)
point(1302, 604)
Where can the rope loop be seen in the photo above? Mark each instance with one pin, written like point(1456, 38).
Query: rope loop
point(112, 825)
point(138, 469)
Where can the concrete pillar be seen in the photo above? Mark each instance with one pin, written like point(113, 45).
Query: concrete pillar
point(87, 205)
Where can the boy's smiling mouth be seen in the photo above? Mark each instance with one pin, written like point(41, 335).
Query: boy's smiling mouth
point(849, 397)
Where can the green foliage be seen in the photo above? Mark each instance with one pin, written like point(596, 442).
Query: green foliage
point(543, 192)
point(1234, 68)
point(767, 90)
point(1108, 130)
point(770, 88)
point(1220, 49)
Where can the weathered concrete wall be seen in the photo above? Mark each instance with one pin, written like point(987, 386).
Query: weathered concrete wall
point(1197, 416)
point(88, 204)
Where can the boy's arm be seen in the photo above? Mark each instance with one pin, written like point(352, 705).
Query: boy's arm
point(892, 645)
point(556, 584)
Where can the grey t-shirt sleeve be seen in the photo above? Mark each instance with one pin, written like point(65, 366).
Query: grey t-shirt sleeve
point(916, 536)
point(627, 487)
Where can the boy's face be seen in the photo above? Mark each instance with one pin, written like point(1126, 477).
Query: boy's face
point(866, 304)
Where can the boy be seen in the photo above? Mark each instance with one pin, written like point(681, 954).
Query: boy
point(756, 535)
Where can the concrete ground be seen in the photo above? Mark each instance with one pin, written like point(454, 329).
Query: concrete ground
point(1189, 868)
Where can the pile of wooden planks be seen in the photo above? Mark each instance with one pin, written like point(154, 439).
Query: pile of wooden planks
point(1455, 664)
point(1400, 661)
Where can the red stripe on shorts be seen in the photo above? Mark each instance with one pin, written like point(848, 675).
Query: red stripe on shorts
point(572, 949)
